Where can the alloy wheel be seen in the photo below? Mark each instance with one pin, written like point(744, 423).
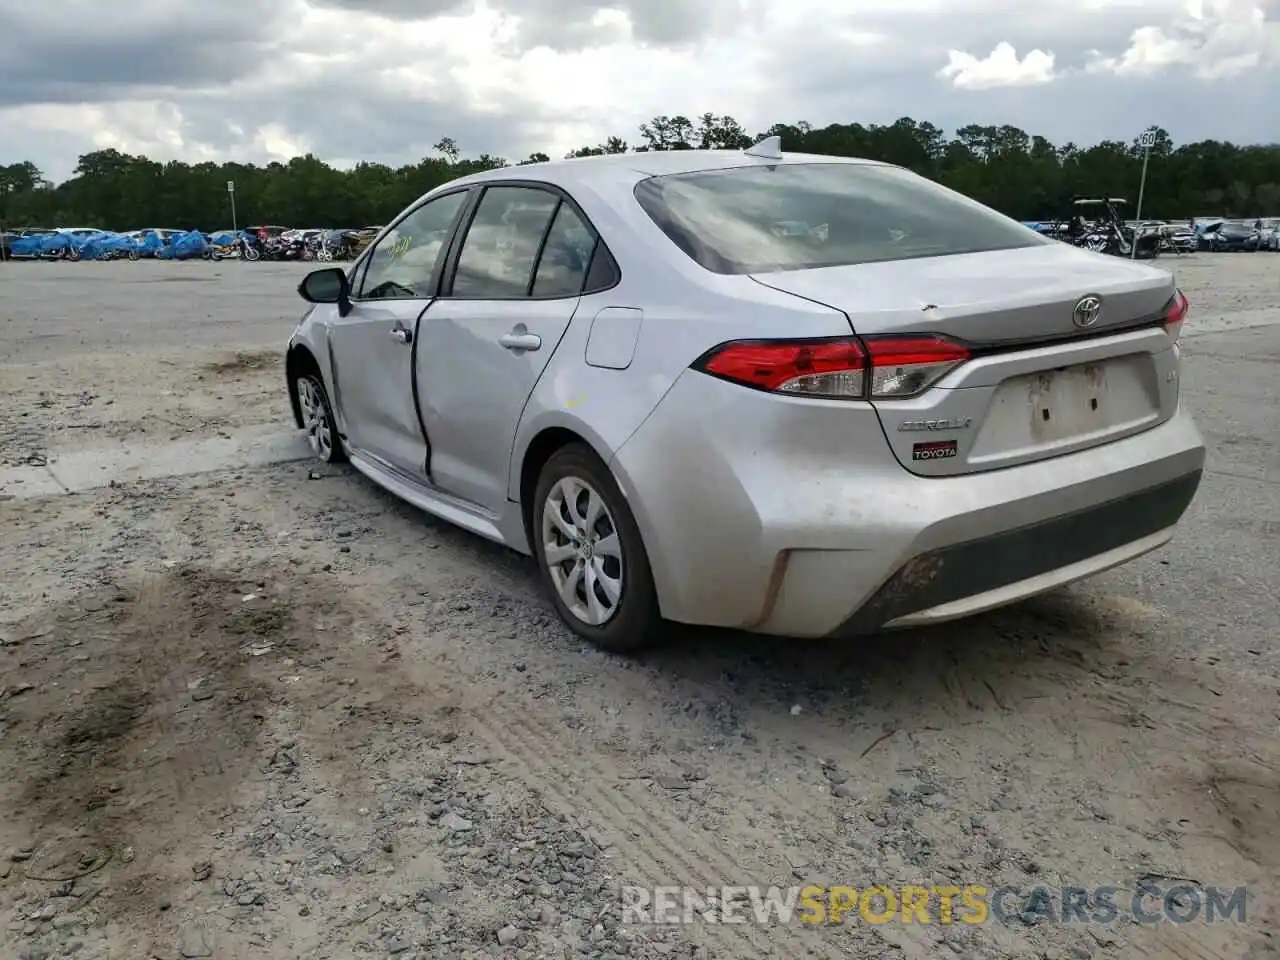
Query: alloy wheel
point(583, 550)
point(315, 418)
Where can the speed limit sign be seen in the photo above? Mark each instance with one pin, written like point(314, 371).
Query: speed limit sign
point(1147, 140)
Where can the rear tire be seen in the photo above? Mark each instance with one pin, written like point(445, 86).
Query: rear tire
point(591, 554)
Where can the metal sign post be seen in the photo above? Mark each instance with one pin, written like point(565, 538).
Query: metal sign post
point(1146, 141)
point(231, 192)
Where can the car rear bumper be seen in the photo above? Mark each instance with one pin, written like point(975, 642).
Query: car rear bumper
point(966, 578)
point(792, 517)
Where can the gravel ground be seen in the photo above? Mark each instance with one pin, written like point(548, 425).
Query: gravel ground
point(273, 713)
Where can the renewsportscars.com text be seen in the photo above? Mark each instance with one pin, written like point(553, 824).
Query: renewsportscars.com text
point(942, 904)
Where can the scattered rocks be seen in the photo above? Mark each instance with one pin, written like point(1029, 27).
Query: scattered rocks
point(194, 945)
point(454, 823)
point(510, 936)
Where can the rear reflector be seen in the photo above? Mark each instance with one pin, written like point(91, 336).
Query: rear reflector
point(846, 368)
point(1175, 315)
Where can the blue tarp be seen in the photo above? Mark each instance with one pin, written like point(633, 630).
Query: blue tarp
point(30, 246)
point(185, 246)
point(150, 244)
point(56, 243)
point(100, 245)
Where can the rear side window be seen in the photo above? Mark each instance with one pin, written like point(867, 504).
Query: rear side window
point(566, 256)
point(803, 216)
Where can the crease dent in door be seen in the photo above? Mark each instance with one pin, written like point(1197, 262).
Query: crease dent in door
point(336, 397)
point(413, 387)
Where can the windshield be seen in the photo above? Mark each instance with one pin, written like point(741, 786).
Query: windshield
point(806, 215)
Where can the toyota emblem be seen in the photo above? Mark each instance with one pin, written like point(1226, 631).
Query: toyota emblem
point(1087, 311)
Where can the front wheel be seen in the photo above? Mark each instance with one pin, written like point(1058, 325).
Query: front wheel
point(318, 420)
point(591, 554)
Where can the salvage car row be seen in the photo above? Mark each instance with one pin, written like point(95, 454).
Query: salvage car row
point(251, 243)
point(1098, 224)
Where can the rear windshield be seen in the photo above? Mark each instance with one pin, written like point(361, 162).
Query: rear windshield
point(805, 215)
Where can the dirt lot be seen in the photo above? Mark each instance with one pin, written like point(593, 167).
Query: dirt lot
point(255, 709)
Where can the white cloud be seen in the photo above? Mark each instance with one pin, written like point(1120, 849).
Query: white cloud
point(1001, 68)
point(383, 80)
point(1215, 38)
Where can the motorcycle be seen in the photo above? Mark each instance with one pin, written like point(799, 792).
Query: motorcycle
point(281, 249)
point(334, 245)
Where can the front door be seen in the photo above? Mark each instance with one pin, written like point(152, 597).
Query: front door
point(374, 345)
point(516, 282)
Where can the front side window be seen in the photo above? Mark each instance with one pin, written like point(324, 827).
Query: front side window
point(502, 244)
point(799, 216)
point(402, 265)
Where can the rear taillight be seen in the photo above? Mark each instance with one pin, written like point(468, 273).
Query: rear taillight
point(848, 368)
point(1175, 315)
point(906, 366)
point(815, 368)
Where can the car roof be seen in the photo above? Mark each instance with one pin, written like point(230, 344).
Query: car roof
point(628, 169)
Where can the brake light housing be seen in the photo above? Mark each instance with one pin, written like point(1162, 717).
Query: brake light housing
point(837, 368)
point(1175, 315)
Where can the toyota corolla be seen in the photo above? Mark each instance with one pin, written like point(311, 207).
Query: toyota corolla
point(792, 394)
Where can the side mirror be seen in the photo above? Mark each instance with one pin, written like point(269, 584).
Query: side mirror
point(326, 286)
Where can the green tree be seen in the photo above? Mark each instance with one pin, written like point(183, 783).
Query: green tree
point(1016, 171)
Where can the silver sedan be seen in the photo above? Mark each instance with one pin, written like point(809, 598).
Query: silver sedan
point(791, 394)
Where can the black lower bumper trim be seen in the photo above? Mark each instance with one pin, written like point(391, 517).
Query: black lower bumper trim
point(966, 569)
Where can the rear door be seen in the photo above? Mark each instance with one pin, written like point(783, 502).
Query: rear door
point(515, 283)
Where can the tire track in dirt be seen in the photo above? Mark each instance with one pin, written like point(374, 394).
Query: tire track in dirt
point(665, 843)
point(611, 827)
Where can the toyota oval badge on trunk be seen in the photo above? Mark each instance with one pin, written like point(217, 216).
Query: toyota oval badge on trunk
point(1087, 311)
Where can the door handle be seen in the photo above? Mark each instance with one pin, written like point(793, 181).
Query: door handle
point(401, 335)
point(521, 341)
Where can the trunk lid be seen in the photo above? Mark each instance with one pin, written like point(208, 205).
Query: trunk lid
point(1039, 384)
point(1003, 297)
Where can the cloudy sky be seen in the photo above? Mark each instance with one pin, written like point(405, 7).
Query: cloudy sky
point(385, 79)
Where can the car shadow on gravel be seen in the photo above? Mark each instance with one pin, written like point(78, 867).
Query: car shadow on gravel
point(1049, 630)
point(990, 660)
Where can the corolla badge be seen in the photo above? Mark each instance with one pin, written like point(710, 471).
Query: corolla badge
point(1087, 311)
point(951, 423)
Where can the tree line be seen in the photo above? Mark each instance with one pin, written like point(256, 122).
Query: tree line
point(1023, 175)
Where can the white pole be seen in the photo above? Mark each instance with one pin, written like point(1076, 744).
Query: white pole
point(1142, 189)
point(231, 191)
